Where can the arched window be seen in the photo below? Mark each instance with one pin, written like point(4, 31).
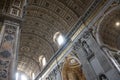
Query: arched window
point(59, 39)
point(42, 60)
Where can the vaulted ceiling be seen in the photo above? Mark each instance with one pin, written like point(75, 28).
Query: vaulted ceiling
point(42, 20)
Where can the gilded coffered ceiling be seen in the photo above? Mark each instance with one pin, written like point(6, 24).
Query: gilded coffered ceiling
point(42, 20)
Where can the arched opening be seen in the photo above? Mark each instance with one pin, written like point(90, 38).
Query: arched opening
point(59, 39)
point(109, 35)
point(72, 70)
point(109, 29)
point(42, 61)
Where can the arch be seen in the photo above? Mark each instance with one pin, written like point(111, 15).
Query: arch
point(72, 69)
point(108, 35)
point(99, 37)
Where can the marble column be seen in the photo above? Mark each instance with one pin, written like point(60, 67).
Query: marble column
point(8, 50)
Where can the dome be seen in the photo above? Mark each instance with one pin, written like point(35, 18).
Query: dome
point(109, 30)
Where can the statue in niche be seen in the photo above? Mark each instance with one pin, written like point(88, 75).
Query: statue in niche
point(87, 33)
point(86, 48)
point(77, 45)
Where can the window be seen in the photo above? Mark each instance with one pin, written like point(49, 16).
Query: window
point(42, 60)
point(59, 39)
point(21, 76)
